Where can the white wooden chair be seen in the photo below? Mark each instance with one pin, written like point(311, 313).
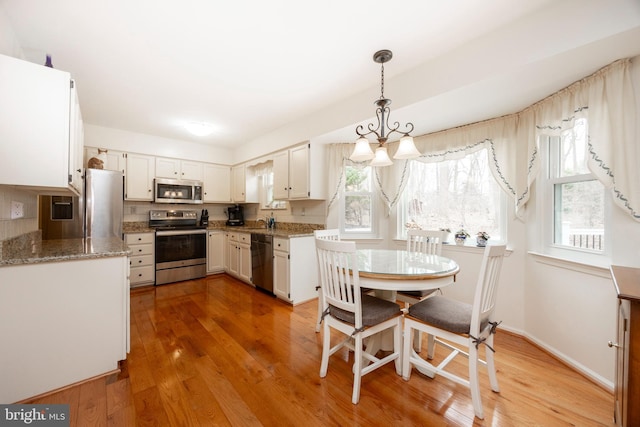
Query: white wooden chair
point(330, 234)
point(424, 241)
point(468, 326)
point(356, 315)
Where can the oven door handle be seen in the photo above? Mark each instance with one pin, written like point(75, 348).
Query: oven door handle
point(179, 232)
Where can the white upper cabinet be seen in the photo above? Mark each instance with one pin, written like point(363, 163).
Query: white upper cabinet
point(281, 175)
point(178, 169)
point(299, 173)
point(139, 178)
point(36, 107)
point(244, 185)
point(217, 183)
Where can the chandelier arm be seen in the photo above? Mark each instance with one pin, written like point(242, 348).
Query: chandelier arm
point(396, 128)
point(371, 128)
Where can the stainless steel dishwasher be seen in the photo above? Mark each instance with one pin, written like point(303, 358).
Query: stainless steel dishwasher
point(262, 262)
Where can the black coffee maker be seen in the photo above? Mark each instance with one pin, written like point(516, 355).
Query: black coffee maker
point(204, 217)
point(236, 215)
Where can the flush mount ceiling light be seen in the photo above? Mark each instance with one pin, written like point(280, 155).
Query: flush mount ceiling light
point(199, 128)
point(362, 150)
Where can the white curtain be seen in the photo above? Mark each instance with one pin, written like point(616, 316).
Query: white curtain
point(604, 98)
point(264, 168)
point(338, 158)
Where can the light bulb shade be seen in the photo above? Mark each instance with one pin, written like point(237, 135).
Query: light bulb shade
point(382, 158)
point(362, 151)
point(406, 149)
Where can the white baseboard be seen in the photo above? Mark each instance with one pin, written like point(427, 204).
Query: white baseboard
point(593, 376)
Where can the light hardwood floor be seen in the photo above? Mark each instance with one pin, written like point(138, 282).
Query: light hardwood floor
point(215, 351)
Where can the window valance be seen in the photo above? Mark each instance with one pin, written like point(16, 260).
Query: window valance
point(605, 98)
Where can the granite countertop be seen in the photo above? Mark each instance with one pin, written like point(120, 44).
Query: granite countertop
point(287, 230)
point(41, 251)
point(276, 233)
point(29, 248)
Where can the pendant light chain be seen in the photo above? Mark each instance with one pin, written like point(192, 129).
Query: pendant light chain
point(382, 80)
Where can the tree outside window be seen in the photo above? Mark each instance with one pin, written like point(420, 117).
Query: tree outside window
point(451, 195)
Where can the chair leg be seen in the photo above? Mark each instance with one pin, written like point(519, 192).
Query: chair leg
point(319, 321)
point(357, 371)
point(431, 346)
point(397, 346)
point(326, 349)
point(474, 383)
point(406, 350)
point(491, 366)
point(417, 341)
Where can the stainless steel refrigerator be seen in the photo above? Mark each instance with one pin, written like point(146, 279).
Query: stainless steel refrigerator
point(98, 212)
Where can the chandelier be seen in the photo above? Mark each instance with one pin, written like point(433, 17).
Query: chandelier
point(362, 150)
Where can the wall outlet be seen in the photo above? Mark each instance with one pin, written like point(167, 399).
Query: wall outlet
point(17, 210)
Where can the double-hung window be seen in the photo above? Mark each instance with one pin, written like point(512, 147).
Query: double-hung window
point(358, 202)
point(575, 203)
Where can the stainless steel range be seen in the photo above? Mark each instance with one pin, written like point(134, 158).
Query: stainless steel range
point(181, 245)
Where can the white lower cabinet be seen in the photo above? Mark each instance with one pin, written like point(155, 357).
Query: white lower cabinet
point(215, 252)
point(295, 274)
point(142, 259)
point(239, 255)
point(61, 323)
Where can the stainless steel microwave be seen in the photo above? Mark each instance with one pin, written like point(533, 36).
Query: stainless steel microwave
point(178, 191)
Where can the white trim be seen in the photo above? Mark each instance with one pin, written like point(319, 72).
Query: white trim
point(595, 270)
point(590, 374)
point(573, 364)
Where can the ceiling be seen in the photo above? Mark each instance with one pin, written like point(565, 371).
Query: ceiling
point(256, 67)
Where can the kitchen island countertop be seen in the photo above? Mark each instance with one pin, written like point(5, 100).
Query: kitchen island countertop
point(41, 251)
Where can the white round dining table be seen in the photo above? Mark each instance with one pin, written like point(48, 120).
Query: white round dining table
point(401, 270)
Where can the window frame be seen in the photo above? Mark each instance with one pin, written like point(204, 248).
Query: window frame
point(375, 207)
point(546, 200)
point(265, 192)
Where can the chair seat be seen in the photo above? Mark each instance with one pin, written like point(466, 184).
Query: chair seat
point(418, 294)
point(374, 311)
point(445, 313)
